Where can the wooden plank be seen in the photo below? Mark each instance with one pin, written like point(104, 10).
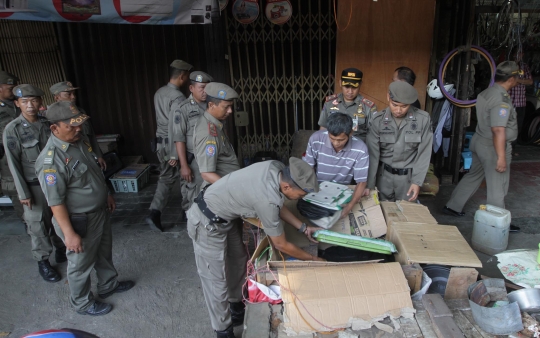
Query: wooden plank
point(465, 325)
point(458, 282)
point(446, 327)
point(435, 306)
point(484, 334)
point(458, 304)
point(424, 323)
point(257, 321)
point(413, 274)
point(507, 284)
point(409, 328)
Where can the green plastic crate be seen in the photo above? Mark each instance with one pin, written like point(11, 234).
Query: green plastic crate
point(132, 178)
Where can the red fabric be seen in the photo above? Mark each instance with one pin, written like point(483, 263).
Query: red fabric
point(256, 295)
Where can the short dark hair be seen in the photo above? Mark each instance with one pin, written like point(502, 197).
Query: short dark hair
point(287, 178)
point(174, 73)
point(214, 100)
point(406, 74)
point(338, 123)
point(504, 78)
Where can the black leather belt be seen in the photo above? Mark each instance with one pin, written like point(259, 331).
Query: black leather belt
point(204, 208)
point(162, 140)
point(32, 184)
point(394, 171)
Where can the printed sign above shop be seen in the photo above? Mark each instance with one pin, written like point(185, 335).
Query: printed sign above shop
point(245, 11)
point(153, 12)
point(278, 11)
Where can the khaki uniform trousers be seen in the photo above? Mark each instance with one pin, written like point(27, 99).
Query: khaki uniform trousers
point(40, 227)
point(8, 187)
point(97, 255)
point(484, 162)
point(190, 190)
point(393, 187)
point(221, 264)
point(168, 176)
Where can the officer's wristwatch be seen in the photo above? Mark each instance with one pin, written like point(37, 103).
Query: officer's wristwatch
point(303, 228)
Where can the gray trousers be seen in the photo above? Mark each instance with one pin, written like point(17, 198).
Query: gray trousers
point(221, 259)
point(190, 190)
point(97, 255)
point(40, 227)
point(393, 187)
point(484, 162)
point(168, 176)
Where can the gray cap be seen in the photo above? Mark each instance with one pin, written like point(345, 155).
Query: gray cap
point(220, 91)
point(66, 112)
point(64, 86)
point(7, 78)
point(507, 68)
point(201, 77)
point(402, 92)
point(25, 90)
point(182, 65)
point(303, 175)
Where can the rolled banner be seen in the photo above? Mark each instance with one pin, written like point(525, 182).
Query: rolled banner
point(278, 11)
point(245, 11)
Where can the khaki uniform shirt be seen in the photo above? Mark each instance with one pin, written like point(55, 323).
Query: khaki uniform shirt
point(250, 192)
point(69, 174)
point(24, 141)
point(213, 151)
point(8, 112)
point(163, 100)
point(406, 146)
point(494, 109)
point(185, 115)
point(361, 111)
point(88, 130)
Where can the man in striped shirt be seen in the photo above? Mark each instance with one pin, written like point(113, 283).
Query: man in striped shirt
point(339, 157)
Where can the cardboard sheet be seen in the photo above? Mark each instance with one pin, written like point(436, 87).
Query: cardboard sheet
point(334, 295)
point(403, 211)
point(431, 244)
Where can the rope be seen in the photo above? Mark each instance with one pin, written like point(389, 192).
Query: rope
point(335, 17)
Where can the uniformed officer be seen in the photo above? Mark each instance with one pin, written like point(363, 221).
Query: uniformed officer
point(491, 144)
point(399, 144)
point(350, 102)
point(165, 148)
point(255, 191)
point(24, 138)
point(64, 91)
point(185, 114)
point(8, 112)
point(77, 193)
point(213, 151)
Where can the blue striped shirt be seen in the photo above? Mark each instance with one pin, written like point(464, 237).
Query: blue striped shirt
point(351, 162)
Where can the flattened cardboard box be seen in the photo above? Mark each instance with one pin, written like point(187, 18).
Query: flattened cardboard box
point(333, 295)
point(404, 211)
point(431, 244)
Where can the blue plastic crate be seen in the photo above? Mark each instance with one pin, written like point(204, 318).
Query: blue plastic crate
point(467, 159)
point(132, 178)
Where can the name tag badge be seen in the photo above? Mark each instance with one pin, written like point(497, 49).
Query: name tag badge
point(355, 123)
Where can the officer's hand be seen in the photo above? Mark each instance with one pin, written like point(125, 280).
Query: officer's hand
point(102, 163)
point(319, 259)
point(309, 231)
point(74, 243)
point(172, 163)
point(111, 204)
point(185, 172)
point(27, 202)
point(414, 190)
point(346, 210)
point(366, 192)
point(501, 165)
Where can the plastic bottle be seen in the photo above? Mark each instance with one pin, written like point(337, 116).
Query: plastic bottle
point(491, 229)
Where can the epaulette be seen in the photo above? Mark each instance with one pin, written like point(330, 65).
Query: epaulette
point(49, 157)
point(378, 114)
point(212, 129)
point(368, 102)
point(331, 97)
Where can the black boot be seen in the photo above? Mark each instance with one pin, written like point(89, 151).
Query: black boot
point(154, 220)
point(238, 311)
point(47, 272)
point(60, 255)
point(228, 333)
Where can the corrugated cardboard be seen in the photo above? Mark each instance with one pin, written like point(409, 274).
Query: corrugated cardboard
point(403, 211)
point(431, 244)
point(333, 295)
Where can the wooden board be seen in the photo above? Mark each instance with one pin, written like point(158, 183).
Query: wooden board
point(379, 36)
point(441, 317)
point(413, 274)
point(459, 281)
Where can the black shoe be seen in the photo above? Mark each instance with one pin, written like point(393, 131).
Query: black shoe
point(47, 272)
point(154, 220)
point(453, 212)
point(60, 255)
point(514, 228)
point(238, 310)
point(228, 333)
point(97, 309)
point(122, 287)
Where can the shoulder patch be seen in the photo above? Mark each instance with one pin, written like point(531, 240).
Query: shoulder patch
point(331, 97)
point(368, 102)
point(212, 129)
point(177, 119)
point(11, 142)
point(210, 150)
point(50, 179)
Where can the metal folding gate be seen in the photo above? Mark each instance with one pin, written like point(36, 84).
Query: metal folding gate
point(282, 73)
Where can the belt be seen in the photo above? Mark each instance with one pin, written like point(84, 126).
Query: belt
point(162, 140)
point(394, 171)
point(207, 212)
point(32, 184)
